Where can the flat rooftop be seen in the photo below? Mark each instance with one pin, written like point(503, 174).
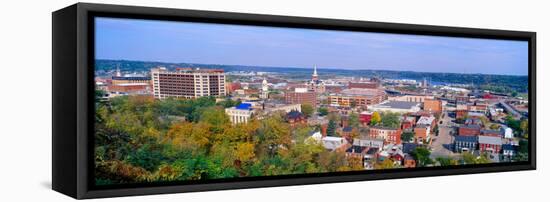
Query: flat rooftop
point(398, 104)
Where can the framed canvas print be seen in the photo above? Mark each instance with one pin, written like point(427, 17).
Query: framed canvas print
point(154, 100)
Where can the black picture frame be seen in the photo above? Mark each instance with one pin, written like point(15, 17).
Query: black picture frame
point(73, 105)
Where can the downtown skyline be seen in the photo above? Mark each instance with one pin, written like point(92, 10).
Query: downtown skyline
point(183, 42)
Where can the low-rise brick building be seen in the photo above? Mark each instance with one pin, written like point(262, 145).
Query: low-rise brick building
point(433, 105)
point(489, 144)
point(389, 135)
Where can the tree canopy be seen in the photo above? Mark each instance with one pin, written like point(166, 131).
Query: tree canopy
point(140, 139)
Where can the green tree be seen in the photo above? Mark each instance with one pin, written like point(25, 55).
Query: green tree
point(385, 164)
point(520, 156)
point(524, 126)
point(523, 146)
point(390, 120)
point(407, 136)
point(484, 120)
point(513, 123)
point(322, 111)
point(494, 126)
point(216, 117)
point(307, 110)
point(227, 103)
point(273, 132)
point(443, 161)
point(354, 120)
point(331, 128)
point(422, 156)
point(468, 158)
point(98, 95)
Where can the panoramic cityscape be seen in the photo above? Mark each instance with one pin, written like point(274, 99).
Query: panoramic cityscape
point(319, 102)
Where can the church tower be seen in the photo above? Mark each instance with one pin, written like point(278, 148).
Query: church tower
point(118, 74)
point(314, 77)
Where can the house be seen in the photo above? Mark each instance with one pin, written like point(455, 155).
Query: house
point(465, 143)
point(392, 152)
point(317, 136)
point(426, 120)
point(409, 162)
point(295, 117)
point(469, 130)
point(347, 132)
point(355, 150)
point(332, 143)
point(509, 150)
point(422, 134)
point(407, 122)
point(389, 135)
point(489, 144)
point(479, 108)
point(365, 117)
point(507, 132)
point(369, 142)
point(369, 158)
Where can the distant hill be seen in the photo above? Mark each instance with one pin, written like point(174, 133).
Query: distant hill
point(498, 83)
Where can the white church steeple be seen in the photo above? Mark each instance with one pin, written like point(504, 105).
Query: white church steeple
point(314, 77)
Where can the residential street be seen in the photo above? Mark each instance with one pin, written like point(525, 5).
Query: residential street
point(442, 144)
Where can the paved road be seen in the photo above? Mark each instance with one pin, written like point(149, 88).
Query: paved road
point(442, 144)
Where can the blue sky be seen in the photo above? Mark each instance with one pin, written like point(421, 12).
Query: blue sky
point(164, 41)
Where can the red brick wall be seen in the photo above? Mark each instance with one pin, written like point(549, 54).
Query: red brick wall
point(484, 147)
point(433, 105)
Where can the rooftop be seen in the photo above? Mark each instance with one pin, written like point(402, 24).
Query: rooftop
point(426, 120)
point(356, 149)
point(347, 129)
point(398, 105)
point(362, 92)
point(471, 126)
point(490, 140)
point(409, 147)
point(244, 106)
point(466, 139)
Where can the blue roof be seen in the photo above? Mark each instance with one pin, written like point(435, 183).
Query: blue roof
point(347, 129)
point(244, 106)
point(466, 139)
point(409, 147)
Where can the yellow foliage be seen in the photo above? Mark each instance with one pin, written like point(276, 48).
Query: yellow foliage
point(245, 151)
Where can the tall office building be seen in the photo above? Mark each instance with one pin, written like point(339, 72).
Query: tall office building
point(187, 82)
